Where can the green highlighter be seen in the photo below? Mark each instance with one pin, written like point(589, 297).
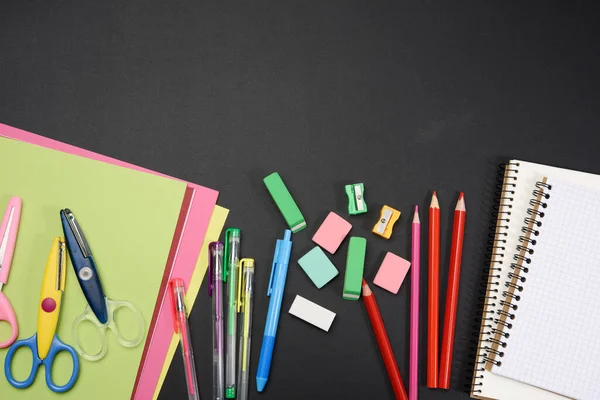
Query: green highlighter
point(285, 202)
point(355, 265)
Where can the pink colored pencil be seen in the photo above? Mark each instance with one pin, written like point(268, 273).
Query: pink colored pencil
point(413, 377)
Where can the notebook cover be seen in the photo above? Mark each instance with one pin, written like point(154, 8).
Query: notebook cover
point(515, 181)
point(555, 315)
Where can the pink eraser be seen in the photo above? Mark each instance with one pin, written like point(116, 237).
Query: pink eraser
point(391, 273)
point(332, 232)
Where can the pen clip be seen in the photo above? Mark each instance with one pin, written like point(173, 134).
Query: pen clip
point(226, 266)
point(273, 267)
point(240, 276)
point(210, 282)
point(211, 267)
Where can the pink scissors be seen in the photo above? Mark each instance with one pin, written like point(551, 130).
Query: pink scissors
point(8, 237)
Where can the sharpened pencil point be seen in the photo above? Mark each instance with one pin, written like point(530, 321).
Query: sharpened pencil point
point(434, 201)
point(460, 204)
point(366, 290)
point(416, 219)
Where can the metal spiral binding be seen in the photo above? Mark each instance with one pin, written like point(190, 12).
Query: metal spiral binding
point(519, 268)
point(487, 320)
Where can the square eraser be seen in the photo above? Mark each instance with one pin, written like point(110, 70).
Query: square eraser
point(332, 232)
point(318, 267)
point(391, 273)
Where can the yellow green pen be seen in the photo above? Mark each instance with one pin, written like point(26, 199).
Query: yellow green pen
point(244, 306)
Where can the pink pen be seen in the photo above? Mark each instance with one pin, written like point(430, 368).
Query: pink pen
point(413, 376)
point(8, 237)
point(182, 327)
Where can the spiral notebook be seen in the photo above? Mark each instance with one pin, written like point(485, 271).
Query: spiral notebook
point(540, 313)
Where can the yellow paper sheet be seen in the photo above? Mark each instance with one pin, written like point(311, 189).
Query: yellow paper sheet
point(215, 226)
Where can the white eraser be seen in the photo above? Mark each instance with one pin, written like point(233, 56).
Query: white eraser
point(312, 313)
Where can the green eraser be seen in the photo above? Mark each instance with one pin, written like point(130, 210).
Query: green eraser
point(285, 202)
point(318, 267)
point(355, 265)
point(356, 199)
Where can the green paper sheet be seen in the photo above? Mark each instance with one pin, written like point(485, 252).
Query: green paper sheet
point(129, 219)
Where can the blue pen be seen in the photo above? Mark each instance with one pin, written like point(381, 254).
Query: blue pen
point(281, 259)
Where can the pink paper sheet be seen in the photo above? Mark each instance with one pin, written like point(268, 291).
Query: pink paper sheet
point(197, 209)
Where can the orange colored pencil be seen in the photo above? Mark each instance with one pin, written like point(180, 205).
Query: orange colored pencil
point(433, 296)
point(458, 233)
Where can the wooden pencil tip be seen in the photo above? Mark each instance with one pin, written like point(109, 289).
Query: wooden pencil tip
point(416, 219)
point(366, 290)
point(460, 204)
point(434, 201)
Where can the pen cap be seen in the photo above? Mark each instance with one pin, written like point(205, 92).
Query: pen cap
point(215, 250)
point(231, 235)
point(178, 298)
point(246, 264)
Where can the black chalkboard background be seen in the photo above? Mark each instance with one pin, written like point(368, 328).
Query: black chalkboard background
point(406, 97)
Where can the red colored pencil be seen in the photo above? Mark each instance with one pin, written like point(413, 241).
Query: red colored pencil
point(384, 343)
point(458, 232)
point(433, 296)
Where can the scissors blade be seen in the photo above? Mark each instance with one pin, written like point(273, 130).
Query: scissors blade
point(50, 300)
point(10, 225)
point(78, 233)
point(4, 243)
point(60, 281)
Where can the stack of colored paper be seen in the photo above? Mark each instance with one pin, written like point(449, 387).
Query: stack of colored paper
point(143, 229)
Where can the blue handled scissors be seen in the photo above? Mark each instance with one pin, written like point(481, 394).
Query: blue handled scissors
point(100, 310)
point(45, 344)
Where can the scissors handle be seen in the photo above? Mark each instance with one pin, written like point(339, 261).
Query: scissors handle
point(31, 343)
point(8, 314)
point(88, 315)
point(56, 347)
point(113, 306)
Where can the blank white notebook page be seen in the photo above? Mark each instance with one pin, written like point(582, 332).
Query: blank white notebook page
point(553, 343)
